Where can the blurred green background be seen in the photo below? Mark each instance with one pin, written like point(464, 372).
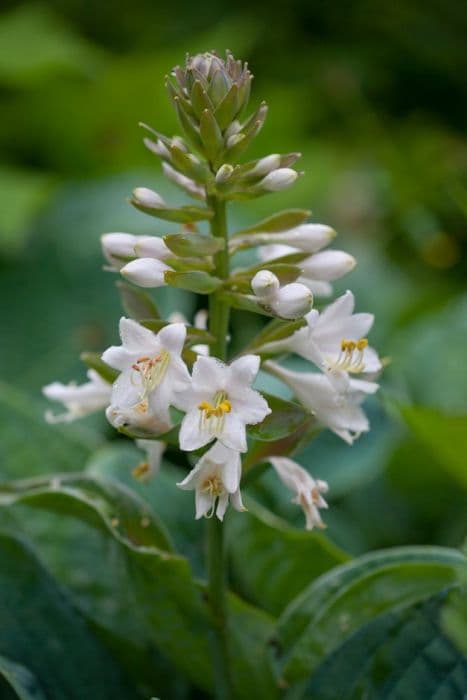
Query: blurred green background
point(374, 96)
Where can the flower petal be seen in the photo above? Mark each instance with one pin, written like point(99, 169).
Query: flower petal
point(172, 337)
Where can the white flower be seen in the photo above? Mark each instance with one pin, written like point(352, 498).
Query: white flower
point(224, 173)
point(154, 450)
point(152, 371)
point(137, 419)
point(79, 400)
point(265, 165)
point(117, 247)
point(216, 478)
point(220, 403)
point(146, 272)
point(337, 410)
point(278, 180)
point(308, 490)
point(335, 341)
point(200, 321)
point(290, 301)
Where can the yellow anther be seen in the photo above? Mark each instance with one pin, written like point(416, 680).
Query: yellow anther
point(142, 470)
point(362, 344)
point(218, 410)
point(213, 485)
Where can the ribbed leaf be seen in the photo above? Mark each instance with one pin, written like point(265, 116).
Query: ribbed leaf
point(136, 303)
point(282, 221)
point(193, 244)
point(196, 281)
point(285, 418)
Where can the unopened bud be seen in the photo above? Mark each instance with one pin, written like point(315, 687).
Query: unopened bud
point(266, 165)
point(328, 265)
point(184, 182)
point(224, 173)
point(148, 198)
point(118, 246)
point(152, 247)
point(265, 284)
point(145, 272)
point(292, 301)
point(278, 179)
point(157, 147)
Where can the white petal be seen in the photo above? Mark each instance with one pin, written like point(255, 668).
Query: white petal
point(119, 357)
point(210, 373)
point(222, 503)
point(136, 337)
point(233, 434)
point(204, 503)
point(146, 272)
point(245, 369)
point(152, 247)
point(250, 406)
point(328, 265)
point(191, 437)
point(172, 337)
point(236, 500)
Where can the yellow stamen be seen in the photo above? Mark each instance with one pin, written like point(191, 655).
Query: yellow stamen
point(350, 358)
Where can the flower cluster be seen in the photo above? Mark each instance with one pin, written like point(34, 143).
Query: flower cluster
point(170, 382)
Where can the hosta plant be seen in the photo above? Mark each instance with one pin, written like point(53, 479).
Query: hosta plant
point(122, 604)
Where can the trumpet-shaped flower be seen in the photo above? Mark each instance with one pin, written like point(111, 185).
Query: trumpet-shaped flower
point(339, 411)
point(152, 372)
point(216, 479)
point(308, 490)
point(220, 403)
point(79, 400)
point(335, 340)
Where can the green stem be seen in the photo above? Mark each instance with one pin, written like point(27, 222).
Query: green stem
point(216, 564)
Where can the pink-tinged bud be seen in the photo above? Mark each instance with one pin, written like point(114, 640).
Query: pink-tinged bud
point(292, 301)
point(328, 265)
point(158, 147)
point(278, 180)
point(152, 247)
point(265, 284)
point(145, 272)
point(116, 247)
point(148, 198)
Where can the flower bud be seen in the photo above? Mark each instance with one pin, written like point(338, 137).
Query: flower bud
point(224, 173)
point(328, 265)
point(184, 182)
point(152, 247)
point(278, 180)
point(266, 165)
point(116, 246)
point(157, 147)
point(148, 198)
point(292, 301)
point(145, 272)
point(265, 284)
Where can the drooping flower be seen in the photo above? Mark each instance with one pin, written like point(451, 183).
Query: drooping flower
point(335, 341)
point(216, 479)
point(220, 403)
point(339, 411)
point(79, 400)
point(308, 490)
point(152, 372)
point(154, 450)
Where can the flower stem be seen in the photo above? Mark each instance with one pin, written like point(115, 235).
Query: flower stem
point(219, 312)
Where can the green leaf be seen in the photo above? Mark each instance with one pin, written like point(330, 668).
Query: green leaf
point(245, 303)
point(286, 418)
point(182, 215)
point(142, 591)
point(454, 616)
point(136, 303)
point(186, 122)
point(401, 654)
point(444, 435)
point(21, 680)
point(342, 601)
point(282, 560)
point(281, 221)
point(196, 281)
point(199, 99)
point(42, 631)
point(193, 244)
